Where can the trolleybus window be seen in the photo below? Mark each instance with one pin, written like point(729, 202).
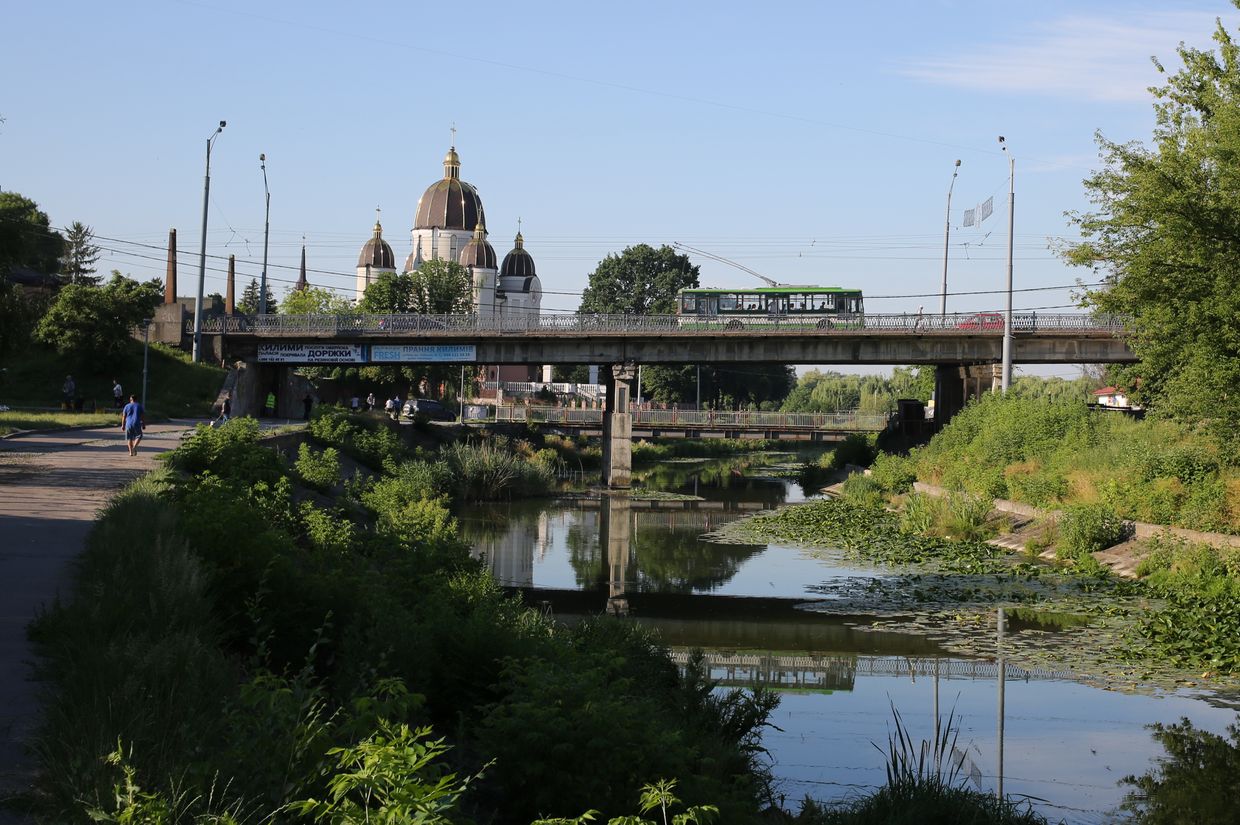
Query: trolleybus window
point(727, 302)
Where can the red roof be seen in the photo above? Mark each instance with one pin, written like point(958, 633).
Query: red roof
point(1106, 391)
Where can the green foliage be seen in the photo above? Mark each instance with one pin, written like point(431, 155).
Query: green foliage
point(1197, 780)
point(493, 470)
point(393, 775)
point(80, 255)
point(375, 442)
point(91, 325)
point(894, 474)
point(228, 449)
point(857, 449)
point(698, 448)
point(26, 238)
point(956, 516)
point(1163, 233)
point(862, 491)
point(1088, 528)
point(249, 302)
point(318, 469)
point(828, 392)
point(441, 287)
point(314, 300)
point(641, 280)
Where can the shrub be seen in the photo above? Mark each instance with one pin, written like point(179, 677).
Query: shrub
point(920, 514)
point(857, 449)
point(320, 470)
point(895, 474)
point(1088, 528)
point(862, 491)
point(492, 471)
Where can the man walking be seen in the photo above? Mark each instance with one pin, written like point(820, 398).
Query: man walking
point(118, 394)
point(132, 422)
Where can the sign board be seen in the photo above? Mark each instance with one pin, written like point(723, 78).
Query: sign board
point(423, 353)
point(312, 353)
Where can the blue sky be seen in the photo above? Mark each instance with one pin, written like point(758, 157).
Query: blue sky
point(813, 142)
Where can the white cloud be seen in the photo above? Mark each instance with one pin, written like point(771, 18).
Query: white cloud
point(1082, 57)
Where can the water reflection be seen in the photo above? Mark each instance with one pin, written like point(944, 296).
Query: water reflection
point(1197, 779)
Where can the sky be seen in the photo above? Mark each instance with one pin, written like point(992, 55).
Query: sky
point(813, 142)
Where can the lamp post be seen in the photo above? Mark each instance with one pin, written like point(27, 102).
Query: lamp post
point(202, 248)
point(146, 348)
point(262, 284)
point(1006, 375)
point(947, 232)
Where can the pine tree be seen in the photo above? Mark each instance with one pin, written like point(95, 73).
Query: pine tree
point(80, 256)
point(248, 305)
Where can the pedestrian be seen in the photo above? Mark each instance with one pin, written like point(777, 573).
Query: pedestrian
point(69, 391)
point(306, 404)
point(225, 411)
point(917, 325)
point(396, 407)
point(387, 407)
point(270, 409)
point(370, 402)
point(117, 394)
point(133, 422)
point(355, 404)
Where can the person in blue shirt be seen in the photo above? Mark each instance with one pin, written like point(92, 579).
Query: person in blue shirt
point(133, 422)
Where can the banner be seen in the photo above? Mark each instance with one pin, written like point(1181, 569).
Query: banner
point(423, 353)
point(312, 353)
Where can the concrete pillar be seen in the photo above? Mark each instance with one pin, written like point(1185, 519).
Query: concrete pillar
point(949, 393)
point(618, 427)
point(230, 294)
point(616, 539)
point(170, 277)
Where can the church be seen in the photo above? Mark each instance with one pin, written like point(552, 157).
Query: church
point(450, 223)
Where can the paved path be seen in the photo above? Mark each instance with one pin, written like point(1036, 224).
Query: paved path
point(51, 487)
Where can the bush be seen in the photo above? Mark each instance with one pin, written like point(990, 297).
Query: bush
point(895, 474)
point(1088, 528)
point(320, 470)
point(857, 449)
point(862, 491)
point(492, 470)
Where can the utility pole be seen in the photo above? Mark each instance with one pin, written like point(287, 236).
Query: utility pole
point(262, 286)
point(1006, 379)
point(202, 248)
point(947, 233)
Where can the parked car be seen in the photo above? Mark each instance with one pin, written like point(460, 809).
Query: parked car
point(425, 406)
point(982, 320)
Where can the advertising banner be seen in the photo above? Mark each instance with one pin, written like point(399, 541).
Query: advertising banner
point(312, 353)
point(423, 353)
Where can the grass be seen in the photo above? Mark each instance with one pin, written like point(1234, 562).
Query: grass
point(16, 420)
point(175, 386)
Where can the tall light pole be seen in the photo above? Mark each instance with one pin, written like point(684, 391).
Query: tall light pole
point(947, 233)
point(262, 284)
point(202, 248)
point(1006, 379)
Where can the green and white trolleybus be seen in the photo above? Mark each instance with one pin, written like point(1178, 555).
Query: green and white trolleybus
point(821, 306)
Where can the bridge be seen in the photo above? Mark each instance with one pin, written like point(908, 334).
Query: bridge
point(964, 348)
point(695, 423)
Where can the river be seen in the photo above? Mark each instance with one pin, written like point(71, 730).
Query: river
point(1066, 744)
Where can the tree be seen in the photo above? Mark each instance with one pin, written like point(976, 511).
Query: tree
point(1166, 237)
point(389, 293)
point(91, 324)
point(248, 305)
point(641, 280)
point(77, 266)
point(314, 300)
point(26, 237)
point(441, 287)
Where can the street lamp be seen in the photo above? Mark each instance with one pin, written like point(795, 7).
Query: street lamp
point(262, 286)
point(146, 348)
point(947, 232)
point(1006, 375)
point(202, 248)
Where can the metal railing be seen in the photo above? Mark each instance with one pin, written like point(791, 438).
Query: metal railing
point(697, 419)
point(557, 387)
point(398, 326)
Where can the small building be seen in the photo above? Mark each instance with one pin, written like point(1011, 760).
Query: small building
point(1111, 397)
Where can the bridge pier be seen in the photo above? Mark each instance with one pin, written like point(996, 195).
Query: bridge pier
point(618, 427)
point(616, 521)
point(955, 386)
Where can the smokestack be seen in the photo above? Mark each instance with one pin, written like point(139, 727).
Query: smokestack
point(170, 279)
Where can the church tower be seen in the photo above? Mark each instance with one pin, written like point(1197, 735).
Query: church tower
point(375, 258)
point(448, 213)
point(478, 257)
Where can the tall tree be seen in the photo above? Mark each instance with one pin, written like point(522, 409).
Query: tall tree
point(26, 236)
point(248, 305)
point(1166, 236)
point(314, 300)
point(641, 280)
point(78, 264)
point(91, 324)
point(389, 293)
point(440, 287)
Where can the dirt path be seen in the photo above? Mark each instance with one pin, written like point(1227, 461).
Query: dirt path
point(51, 487)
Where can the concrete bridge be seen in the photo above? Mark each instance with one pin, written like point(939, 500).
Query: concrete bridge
point(965, 349)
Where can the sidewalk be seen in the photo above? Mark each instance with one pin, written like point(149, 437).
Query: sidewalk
point(51, 486)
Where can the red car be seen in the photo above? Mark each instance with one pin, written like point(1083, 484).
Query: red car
point(982, 320)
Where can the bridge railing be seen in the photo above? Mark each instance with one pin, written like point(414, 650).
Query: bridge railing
point(699, 419)
point(351, 324)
